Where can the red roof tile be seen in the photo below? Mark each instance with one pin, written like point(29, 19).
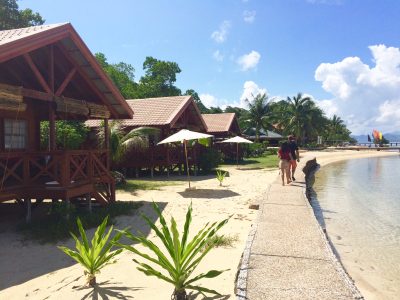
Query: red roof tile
point(219, 122)
point(16, 42)
point(154, 111)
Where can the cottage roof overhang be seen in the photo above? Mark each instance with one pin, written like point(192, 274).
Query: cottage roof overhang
point(16, 44)
point(221, 123)
point(160, 112)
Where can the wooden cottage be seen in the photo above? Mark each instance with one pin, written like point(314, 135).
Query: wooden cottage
point(169, 114)
point(223, 126)
point(47, 73)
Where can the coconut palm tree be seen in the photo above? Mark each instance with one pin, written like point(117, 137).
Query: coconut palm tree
point(258, 113)
point(300, 116)
point(121, 141)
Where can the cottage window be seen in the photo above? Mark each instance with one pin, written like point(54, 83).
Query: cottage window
point(15, 134)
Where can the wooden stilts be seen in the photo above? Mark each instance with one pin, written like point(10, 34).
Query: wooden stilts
point(28, 210)
point(187, 162)
point(89, 202)
point(152, 172)
point(137, 172)
point(68, 207)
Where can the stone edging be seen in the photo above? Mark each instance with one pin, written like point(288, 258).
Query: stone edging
point(242, 274)
point(329, 247)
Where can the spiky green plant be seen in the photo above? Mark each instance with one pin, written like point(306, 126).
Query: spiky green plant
point(96, 256)
point(180, 258)
point(221, 176)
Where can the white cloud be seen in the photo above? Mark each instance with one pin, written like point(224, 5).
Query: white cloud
point(249, 61)
point(250, 90)
point(208, 100)
point(220, 35)
point(218, 56)
point(249, 16)
point(365, 97)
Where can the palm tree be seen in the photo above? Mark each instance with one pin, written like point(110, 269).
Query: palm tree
point(259, 112)
point(121, 142)
point(302, 117)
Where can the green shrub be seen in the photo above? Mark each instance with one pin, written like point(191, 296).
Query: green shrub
point(209, 159)
point(54, 226)
point(176, 261)
point(96, 255)
point(221, 176)
point(255, 149)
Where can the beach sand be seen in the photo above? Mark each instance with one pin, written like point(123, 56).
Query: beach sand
point(33, 271)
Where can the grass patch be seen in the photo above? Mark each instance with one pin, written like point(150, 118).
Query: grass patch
point(133, 185)
point(268, 161)
point(223, 240)
point(54, 226)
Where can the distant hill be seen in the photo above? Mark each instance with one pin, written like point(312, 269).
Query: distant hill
point(392, 137)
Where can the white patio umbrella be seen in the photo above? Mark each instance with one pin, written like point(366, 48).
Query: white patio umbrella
point(237, 140)
point(183, 136)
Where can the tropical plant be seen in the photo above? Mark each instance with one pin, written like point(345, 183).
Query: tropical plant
point(221, 176)
point(122, 142)
point(96, 256)
point(181, 257)
point(258, 114)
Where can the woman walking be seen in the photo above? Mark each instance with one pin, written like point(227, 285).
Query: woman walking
point(284, 164)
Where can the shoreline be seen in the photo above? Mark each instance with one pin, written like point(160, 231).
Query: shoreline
point(359, 283)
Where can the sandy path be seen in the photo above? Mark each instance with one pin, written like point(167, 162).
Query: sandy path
point(43, 272)
point(34, 271)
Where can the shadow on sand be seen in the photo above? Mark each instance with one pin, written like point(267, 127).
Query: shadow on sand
point(107, 290)
point(22, 260)
point(208, 193)
point(193, 295)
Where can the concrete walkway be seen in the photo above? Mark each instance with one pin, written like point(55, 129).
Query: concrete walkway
point(288, 256)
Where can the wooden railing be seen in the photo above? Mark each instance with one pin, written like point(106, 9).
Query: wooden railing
point(159, 156)
point(56, 168)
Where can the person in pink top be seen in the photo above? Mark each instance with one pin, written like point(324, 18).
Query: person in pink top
point(285, 157)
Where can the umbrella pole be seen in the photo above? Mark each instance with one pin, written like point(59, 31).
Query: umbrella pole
point(237, 155)
point(187, 162)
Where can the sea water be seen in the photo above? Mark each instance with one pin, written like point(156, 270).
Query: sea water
point(360, 203)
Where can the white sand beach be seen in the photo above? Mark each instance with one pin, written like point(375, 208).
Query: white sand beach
point(33, 271)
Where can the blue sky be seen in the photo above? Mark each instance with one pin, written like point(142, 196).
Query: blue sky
point(228, 50)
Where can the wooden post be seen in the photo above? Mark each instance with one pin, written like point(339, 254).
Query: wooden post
point(68, 206)
point(187, 162)
point(107, 142)
point(89, 202)
point(137, 172)
point(52, 127)
point(237, 155)
point(28, 210)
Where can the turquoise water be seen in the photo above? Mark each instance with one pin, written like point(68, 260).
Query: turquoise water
point(360, 203)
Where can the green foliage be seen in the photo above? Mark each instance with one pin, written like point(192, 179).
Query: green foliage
point(209, 159)
point(122, 74)
point(54, 226)
point(258, 114)
point(96, 255)
point(180, 257)
point(70, 135)
point(121, 142)
point(221, 176)
point(255, 149)
point(224, 240)
point(203, 109)
point(206, 142)
point(133, 185)
point(159, 78)
point(11, 17)
point(215, 110)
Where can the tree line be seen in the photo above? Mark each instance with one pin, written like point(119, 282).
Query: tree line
point(297, 115)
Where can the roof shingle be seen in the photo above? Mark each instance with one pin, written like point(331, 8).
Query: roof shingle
point(152, 111)
point(218, 122)
point(8, 36)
